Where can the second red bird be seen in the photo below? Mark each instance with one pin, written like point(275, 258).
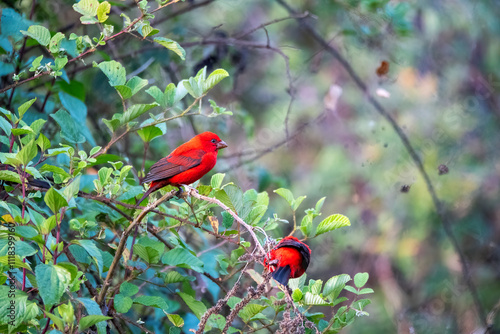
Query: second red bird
point(289, 259)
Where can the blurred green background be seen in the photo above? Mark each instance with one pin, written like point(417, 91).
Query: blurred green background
point(442, 87)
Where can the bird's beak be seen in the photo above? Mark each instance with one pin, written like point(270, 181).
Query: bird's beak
point(221, 144)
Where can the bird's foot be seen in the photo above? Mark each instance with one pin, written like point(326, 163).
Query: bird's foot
point(180, 193)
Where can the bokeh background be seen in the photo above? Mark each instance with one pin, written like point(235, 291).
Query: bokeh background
point(300, 122)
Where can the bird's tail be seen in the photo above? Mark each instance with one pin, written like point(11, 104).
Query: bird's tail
point(152, 188)
point(282, 274)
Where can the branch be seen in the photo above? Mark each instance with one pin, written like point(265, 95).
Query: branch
point(445, 220)
point(252, 294)
point(193, 192)
point(115, 138)
point(123, 241)
point(215, 309)
point(89, 51)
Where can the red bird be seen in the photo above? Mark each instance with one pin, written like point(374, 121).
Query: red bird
point(186, 164)
point(289, 259)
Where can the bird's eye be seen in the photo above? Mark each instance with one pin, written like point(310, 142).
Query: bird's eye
point(213, 141)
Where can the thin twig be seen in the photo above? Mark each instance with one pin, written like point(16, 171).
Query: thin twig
point(123, 241)
point(193, 192)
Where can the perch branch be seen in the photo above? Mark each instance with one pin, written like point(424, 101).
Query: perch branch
point(193, 192)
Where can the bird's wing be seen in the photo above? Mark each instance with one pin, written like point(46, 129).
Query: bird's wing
point(282, 274)
point(304, 251)
point(173, 164)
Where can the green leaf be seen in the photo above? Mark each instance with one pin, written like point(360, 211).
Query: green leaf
point(22, 248)
point(27, 153)
point(112, 124)
point(122, 303)
point(17, 263)
point(175, 319)
point(297, 295)
point(56, 170)
point(24, 107)
point(335, 285)
point(153, 301)
point(35, 64)
point(149, 133)
point(312, 299)
point(193, 87)
point(5, 126)
point(135, 111)
point(286, 194)
point(90, 321)
point(7, 297)
point(56, 320)
point(148, 30)
point(93, 251)
point(54, 200)
point(55, 42)
point(148, 254)
point(181, 257)
point(69, 129)
point(72, 189)
point(67, 312)
point(88, 9)
point(351, 289)
point(331, 223)
point(114, 71)
point(38, 33)
point(43, 142)
point(128, 289)
point(306, 225)
point(103, 10)
point(360, 279)
point(316, 287)
point(49, 224)
point(158, 95)
point(174, 277)
point(93, 309)
point(171, 45)
point(250, 311)
point(365, 291)
point(10, 176)
point(214, 78)
point(297, 202)
point(136, 84)
point(194, 305)
point(216, 180)
point(22, 131)
point(52, 281)
point(60, 62)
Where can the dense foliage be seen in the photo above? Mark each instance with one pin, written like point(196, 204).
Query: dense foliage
point(381, 111)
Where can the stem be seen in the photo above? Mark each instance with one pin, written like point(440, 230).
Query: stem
point(193, 192)
point(133, 242)
point(123, 241)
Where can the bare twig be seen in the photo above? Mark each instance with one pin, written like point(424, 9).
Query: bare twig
point(253, 293)
point(263, 25)
point(193, 192)
point(215, 309)
point(123, 241)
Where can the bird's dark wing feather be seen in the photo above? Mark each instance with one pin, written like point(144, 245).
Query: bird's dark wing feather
point(172, 165)
point(282, 274)
point(304, 251)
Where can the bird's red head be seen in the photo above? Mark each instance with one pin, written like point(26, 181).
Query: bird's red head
point(289, 259)
point(209, 141)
